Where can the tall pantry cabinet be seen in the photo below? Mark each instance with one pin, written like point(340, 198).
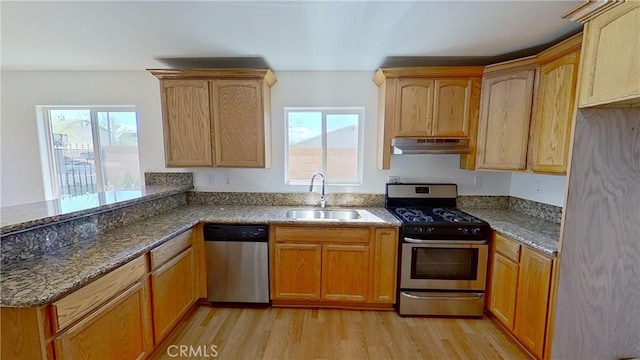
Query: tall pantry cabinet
point(597, 312)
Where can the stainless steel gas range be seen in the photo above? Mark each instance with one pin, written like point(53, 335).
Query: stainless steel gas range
point(443, 251)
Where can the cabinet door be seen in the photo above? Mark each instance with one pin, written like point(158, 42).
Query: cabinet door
point(451, 108)
point(610, 70)
point(238, 122)
point(296, 271)
point(385, 263)
point(414, 107)
point(504, 283)
point(121, 329)
point(534, 283)
point(174, 291)
point(345, 272)
point(505, 115)
point(186, 123)
point(554, 114)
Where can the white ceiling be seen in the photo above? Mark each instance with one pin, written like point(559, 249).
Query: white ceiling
point(290, 35)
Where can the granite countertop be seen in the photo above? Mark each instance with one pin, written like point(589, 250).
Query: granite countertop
point(24, 217)
point(45, 279)
point(538, 233)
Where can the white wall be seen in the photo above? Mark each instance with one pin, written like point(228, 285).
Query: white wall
point(548, 189)
point(21, 170)
point(299, 89)
point(22, 91)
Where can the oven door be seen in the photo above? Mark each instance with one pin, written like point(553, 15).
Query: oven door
point(446, 265)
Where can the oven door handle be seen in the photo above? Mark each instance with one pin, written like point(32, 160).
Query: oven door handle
point(475, 296)
point(458, 242)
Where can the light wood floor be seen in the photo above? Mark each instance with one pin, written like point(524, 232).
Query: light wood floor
point(290, 333)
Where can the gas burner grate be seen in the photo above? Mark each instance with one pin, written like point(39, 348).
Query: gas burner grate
point(413, 215)
point(454, 215)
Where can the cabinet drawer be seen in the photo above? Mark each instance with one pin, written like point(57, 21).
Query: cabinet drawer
point(171, 248)
point(77, 304)
point(507, 247)
point(120, 329)
point(321, 234)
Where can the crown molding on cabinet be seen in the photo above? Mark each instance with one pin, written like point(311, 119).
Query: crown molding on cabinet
point(590, 9)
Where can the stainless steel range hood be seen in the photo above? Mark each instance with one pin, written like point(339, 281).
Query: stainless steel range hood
point(431, 146)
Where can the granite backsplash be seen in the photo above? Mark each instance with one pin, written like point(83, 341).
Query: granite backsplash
point(283, 199)
point(536, 209)
point(168, 178)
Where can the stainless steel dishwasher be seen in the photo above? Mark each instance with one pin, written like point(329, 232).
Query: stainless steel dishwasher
point(237, 263)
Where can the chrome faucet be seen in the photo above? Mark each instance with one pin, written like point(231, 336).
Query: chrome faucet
point(323, 200)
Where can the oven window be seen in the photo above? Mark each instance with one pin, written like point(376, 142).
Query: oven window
point(444, 263)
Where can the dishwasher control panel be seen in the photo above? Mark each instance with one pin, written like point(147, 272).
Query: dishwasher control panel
point(216, 232)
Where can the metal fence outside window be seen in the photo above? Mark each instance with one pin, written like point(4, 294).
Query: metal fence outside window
point(75, 169)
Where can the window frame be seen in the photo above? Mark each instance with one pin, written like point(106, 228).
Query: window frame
point(45, 111)
point(327, 110)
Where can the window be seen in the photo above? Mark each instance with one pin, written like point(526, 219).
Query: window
point(328, 140)
point(92, 149)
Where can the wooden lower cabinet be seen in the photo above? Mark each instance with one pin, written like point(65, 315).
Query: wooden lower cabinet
point(504, 284)
point(174, 292)
point(519, 292)
point(343, 269)
point(534, 283)
point(113, 317)
point(385, 263)
point(121, 329)
point(296, 271)
point(350, 265)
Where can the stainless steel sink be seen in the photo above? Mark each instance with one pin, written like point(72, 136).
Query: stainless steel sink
point(331, 214)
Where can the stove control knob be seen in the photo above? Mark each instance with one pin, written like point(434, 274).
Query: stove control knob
point(476, 231)
point(430, 230)
point(464, 230)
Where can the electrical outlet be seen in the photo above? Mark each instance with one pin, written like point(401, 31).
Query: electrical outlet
point(211, 179)
point(227, 179)
point(477, 181)
point(538, 186)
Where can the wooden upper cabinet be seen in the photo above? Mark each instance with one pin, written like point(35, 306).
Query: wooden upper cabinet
point(217, 117)
point(186, 123)
point(414, 101)
point(238, 123)
point(611, 56)
point(506, 107)
point(452, 107)
point(433, 108)
point(555, 110)
point(427, 102)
